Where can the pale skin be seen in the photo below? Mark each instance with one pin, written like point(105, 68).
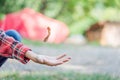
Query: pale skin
point(47, 60)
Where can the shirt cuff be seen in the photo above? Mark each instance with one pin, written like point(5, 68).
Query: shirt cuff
point(20, 54)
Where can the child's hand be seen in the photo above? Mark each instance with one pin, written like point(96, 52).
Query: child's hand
point(47, 60)
point(52, 61)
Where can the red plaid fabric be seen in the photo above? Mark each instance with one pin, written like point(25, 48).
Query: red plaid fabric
point(11, 48)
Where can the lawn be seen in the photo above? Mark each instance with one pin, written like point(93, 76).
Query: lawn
point(55, 75)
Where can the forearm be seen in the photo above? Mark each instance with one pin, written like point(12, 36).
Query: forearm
point(34, 57)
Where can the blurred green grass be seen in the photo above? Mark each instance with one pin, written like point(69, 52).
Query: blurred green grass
point(40, 43)
point(55, 75)
point(31, 42)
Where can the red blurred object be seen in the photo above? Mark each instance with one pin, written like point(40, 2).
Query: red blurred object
point(0, 23)
point(33, 25)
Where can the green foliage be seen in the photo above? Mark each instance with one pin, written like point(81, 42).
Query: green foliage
point(8, 6)
point(78, 14)
point(56, 76)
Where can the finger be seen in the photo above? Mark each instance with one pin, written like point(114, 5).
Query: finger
point(61, 56)
point(57, 63)
point(66, 59)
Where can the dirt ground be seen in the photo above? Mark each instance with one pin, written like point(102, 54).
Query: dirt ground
point(85, 59)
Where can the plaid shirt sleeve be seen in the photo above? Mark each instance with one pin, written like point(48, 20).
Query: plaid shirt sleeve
point(11, 48)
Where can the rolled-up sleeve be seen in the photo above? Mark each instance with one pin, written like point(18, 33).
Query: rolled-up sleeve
point(11, 48)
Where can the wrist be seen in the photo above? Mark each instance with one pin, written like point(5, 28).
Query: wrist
point(34, 57)
point(31, 55)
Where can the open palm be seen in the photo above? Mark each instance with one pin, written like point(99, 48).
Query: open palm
point(53, 61)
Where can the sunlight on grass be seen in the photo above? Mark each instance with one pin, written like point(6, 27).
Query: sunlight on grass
point(55, 76)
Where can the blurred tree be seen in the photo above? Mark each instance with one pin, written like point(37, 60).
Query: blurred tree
point(78, 14)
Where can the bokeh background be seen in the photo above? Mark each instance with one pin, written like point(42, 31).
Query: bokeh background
point(87, 30)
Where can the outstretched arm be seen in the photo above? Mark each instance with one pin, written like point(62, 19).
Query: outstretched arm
point(11, 48)
point(47, 60)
